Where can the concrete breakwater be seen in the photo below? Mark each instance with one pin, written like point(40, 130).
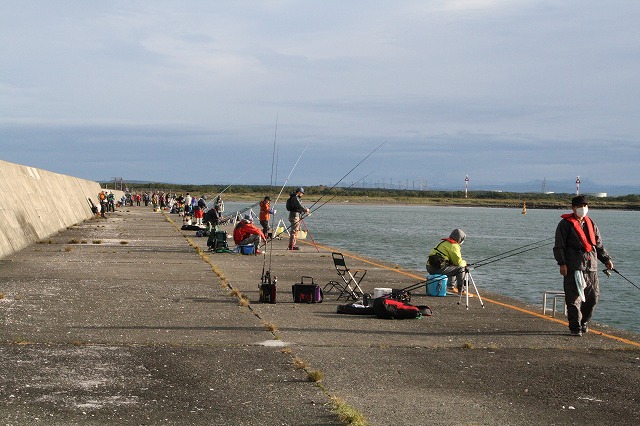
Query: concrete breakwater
point(36, 203)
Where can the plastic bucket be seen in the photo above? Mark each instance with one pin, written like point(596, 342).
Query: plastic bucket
point(437, 285)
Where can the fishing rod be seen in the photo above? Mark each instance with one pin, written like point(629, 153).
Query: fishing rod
point(501, 256)
point(266, 275)
point(607, 272)
point(221, 192)
point(348, 173)
point(292, 169)
point(273, 153)
point(513, 253)
point(328, 201)
point(348, 187)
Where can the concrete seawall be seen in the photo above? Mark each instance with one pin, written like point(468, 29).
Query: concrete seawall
point(36, 203)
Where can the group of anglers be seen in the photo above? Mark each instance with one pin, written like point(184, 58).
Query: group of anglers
point(577, 249)
point(245, 232)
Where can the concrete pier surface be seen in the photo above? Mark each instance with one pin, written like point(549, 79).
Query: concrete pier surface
point(129, 320)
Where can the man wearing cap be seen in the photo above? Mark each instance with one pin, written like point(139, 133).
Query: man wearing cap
point(246, 232)
point(577, 249)
point(295, 208)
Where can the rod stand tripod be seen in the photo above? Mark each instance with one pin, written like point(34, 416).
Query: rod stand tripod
point(465, 289)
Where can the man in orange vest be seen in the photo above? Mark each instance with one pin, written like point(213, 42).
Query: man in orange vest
point(265, 214)
point(577, 249)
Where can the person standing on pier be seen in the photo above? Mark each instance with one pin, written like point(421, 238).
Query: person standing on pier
point(296, 209)
point(578, 247)
point(265, 214)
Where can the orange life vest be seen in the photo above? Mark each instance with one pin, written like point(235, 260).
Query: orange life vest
point(587, 241)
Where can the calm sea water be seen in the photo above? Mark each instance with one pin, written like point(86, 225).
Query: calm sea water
point(405, 234)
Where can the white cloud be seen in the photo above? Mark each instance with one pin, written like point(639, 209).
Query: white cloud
point(489, 77)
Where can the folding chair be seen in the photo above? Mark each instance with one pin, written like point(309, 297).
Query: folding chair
point(351, 278)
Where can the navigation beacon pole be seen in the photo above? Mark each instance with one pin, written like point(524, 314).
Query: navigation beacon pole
point(577, 185)
point(466, 187)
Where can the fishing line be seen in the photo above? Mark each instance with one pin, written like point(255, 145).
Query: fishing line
point(348, 173)
point(608, 274)
point(475, 265)
point(328, 201)
point(491, 259)
point(348, 187)
point(292, 169)
point(221, 192)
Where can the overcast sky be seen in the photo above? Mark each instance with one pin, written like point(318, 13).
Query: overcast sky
point(191, 91)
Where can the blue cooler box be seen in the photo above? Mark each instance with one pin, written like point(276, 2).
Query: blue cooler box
point(247, 249)
point(437, 285)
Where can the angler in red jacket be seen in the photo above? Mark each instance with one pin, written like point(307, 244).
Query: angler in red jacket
point(577, 249)
point(246, 232)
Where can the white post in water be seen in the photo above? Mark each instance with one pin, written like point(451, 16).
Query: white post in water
point(577, 185)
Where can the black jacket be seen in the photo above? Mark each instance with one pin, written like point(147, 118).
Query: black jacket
point(294, 206)
point(568, 249)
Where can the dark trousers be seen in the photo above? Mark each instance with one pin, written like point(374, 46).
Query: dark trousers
point(455, 275)
point(579, 312)
point(265, 227)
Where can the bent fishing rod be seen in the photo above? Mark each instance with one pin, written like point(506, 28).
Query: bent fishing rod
point(328, 201)
point(607, 272)
point(513, 252)
point(348, 173)
point(348, 187)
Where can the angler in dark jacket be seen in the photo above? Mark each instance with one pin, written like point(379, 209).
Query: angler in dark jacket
point(577, 249)
point(296, 209)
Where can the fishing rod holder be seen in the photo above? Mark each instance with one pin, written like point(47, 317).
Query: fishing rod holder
point(468, 278)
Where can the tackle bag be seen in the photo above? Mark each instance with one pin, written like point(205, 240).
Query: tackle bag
point(355, 309)
point(305, 292)
point(268, 293)
point(387, 308)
